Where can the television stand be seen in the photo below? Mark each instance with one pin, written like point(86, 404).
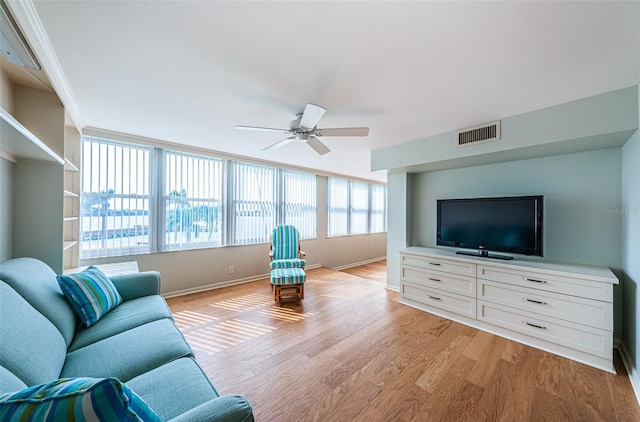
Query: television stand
point(485, 254)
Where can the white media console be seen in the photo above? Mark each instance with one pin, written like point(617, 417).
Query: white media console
point(560, 308)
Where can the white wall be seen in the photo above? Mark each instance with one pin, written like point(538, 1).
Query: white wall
point(6, 209)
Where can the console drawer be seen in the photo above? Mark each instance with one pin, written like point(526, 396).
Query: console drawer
point(569, 308)
point(439, 264)
point(586, 339)
point(451, 302)
point(443, 281)
point(566, 285)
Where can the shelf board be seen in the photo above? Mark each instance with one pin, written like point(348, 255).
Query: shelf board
point(68, 244)
point(71, 194)
point(19, 142)
point(70, 219)
point(68, 165)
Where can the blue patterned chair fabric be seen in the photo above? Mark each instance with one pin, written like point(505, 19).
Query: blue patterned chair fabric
point(285, 248)
point(288, 279)
point(287, 276)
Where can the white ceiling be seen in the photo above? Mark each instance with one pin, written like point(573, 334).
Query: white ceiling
point(188, 72)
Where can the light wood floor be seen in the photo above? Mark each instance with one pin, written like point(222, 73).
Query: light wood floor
point(350, 352)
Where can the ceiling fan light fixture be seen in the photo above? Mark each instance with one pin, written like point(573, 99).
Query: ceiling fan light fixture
point(304, 128)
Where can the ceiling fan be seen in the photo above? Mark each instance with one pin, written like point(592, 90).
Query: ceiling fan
point(304, 128)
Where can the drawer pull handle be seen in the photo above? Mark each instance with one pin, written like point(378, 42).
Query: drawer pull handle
point(533, 280)
point(542, 327)
point(434, 298)
point(539, 302)
point(434, 279)
point(435, 263)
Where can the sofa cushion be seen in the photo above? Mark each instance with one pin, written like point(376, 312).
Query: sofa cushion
point(126, 316)
point(31, 347)
point(186, 377)
point(9, 381)
point(36, 283)
point(128, 354)
point(90, 293)
point(78, 399)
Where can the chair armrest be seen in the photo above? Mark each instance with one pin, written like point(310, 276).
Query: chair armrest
point(135, 285)
point(227, 408)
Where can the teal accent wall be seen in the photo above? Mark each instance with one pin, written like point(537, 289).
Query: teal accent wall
point(582, 192)
point(598, 122)
point(630, 219)
point(582, 203)
point(399, 197)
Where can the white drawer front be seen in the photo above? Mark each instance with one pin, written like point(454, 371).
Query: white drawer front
point(438, 299)
point(548, 282)
point(569, 308)
point(586, 339)
point(455, 284)
point(439, 264)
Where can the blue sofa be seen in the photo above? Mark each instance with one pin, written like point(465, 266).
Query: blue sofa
point(137, 342)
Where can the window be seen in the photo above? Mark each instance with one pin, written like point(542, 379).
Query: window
point(299, 202)
point(378, 209)
point(138, 199)
point(355, 207)
point(253, 203)
point(192, 201)
point(338, 207)
point(116, 198)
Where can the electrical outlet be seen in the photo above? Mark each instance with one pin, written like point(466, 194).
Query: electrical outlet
point(231, 269)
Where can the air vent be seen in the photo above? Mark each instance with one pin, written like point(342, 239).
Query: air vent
point(484, 133)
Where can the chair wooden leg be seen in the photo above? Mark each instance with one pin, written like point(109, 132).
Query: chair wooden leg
point(302, 291)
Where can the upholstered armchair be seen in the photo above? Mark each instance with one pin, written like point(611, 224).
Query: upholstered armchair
point(285, 248)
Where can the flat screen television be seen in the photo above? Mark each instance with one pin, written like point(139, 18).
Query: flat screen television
point(506, 224)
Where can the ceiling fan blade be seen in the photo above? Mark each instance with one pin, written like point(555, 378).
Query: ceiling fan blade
point(318, 146)
point(280, 143)
point(311, 116)
point(263, 129)
point(346, 131)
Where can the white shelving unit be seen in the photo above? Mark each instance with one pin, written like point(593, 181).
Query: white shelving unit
point(71, 198)
point(19, 143)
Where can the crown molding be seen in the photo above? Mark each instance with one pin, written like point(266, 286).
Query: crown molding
point(26, 16)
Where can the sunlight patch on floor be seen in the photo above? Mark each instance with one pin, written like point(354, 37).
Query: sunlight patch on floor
point(244, 303)
point(225, 334)
point(188, 319)
point(284, 314)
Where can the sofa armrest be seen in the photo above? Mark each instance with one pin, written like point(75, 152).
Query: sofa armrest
point(227, 408)
point(135, 285)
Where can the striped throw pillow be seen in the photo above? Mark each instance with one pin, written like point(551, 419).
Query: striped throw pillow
point(90, 293)
point(77, 399)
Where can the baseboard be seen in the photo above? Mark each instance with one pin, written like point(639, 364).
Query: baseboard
point(357, 264)
point(223, 284)
point(634, 376)
point(392, 288)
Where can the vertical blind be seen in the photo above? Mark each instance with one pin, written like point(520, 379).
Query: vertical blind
point(355, 207)
point(299, 202)
point(115, 198)
point(253, 203)
point(378, 209)
point(137, 199)
point(192, 201)
point(338, 207)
